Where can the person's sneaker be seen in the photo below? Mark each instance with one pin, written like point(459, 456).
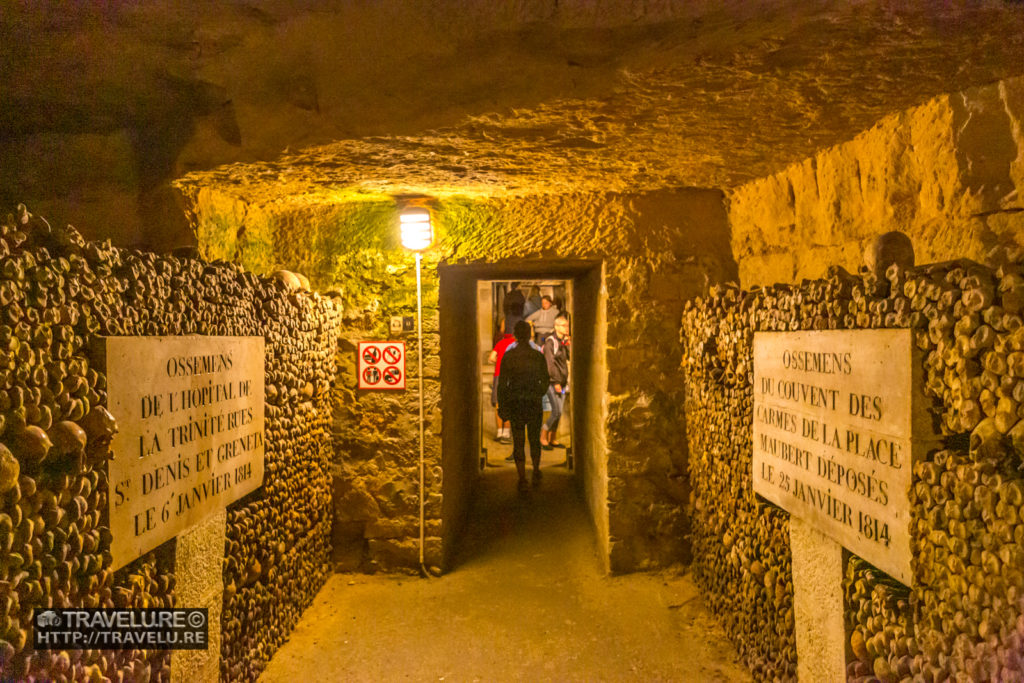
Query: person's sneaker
point(505, 436)
point(547, 447)
point(510, 458)
point(524, 486)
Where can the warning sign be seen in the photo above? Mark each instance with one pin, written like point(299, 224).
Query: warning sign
point(392, 354)
point(382, 365)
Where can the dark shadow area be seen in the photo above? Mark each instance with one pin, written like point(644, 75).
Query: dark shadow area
point(505, 523)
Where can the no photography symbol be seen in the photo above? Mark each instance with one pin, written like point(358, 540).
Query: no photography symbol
point(392, 375)
point(392, 354)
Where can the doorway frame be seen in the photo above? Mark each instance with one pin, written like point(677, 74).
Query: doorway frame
point(461, 416)
point(487, 331)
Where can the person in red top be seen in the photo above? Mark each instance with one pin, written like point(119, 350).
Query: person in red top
point(502, 426)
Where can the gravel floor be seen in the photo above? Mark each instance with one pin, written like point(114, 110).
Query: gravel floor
point(527, 601)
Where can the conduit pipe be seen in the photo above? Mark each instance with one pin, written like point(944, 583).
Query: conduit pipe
point(419, 358)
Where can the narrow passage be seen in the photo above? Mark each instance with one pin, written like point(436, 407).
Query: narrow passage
point(528, 601)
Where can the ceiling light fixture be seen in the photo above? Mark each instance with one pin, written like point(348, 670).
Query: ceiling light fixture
point(417, 231)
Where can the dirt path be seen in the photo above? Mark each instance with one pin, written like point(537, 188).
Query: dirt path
point(527, 601)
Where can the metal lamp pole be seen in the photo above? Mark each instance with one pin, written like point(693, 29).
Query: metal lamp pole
point(419, 349)
point(417, 234)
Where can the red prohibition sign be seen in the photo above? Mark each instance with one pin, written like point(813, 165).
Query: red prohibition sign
point(391, 354)
point(371, 375)
point(371, 354)
point(392, 375)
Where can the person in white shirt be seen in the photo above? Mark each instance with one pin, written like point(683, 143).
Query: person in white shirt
point(543, 320)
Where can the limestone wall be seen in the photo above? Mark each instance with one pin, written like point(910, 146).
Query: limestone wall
point(58, 296)
point(962, 617)
point(657, 250)
point(949, 173)
point(592, 402)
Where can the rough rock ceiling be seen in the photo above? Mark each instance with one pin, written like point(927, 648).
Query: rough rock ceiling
point(296, 100)
point(707, 101)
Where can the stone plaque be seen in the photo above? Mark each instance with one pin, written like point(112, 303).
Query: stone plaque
point(838, 424)
point(190, 439)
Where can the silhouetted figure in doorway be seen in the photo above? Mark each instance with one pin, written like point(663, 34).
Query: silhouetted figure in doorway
point(532, 301)
point(521, 385)
point(512, 308)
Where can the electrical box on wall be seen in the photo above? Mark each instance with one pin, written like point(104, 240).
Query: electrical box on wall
point(402, 323)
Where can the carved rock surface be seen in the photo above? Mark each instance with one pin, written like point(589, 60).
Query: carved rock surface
point(947, 173)
point(525, 97)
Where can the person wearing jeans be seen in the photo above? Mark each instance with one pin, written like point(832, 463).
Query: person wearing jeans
point(556, 355)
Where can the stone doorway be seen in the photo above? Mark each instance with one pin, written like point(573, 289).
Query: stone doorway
point(467, 415)
point(490, 299)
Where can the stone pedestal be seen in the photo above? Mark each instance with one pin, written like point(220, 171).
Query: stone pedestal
point(817, 604)
point(199, 583)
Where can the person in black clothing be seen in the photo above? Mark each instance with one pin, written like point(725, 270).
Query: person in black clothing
point(512, 307)
point(521, 385)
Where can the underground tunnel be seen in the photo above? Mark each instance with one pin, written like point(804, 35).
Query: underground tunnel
point(252, 429)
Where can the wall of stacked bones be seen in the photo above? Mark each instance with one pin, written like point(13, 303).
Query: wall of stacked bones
point(58, 296)
point(963, 616)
